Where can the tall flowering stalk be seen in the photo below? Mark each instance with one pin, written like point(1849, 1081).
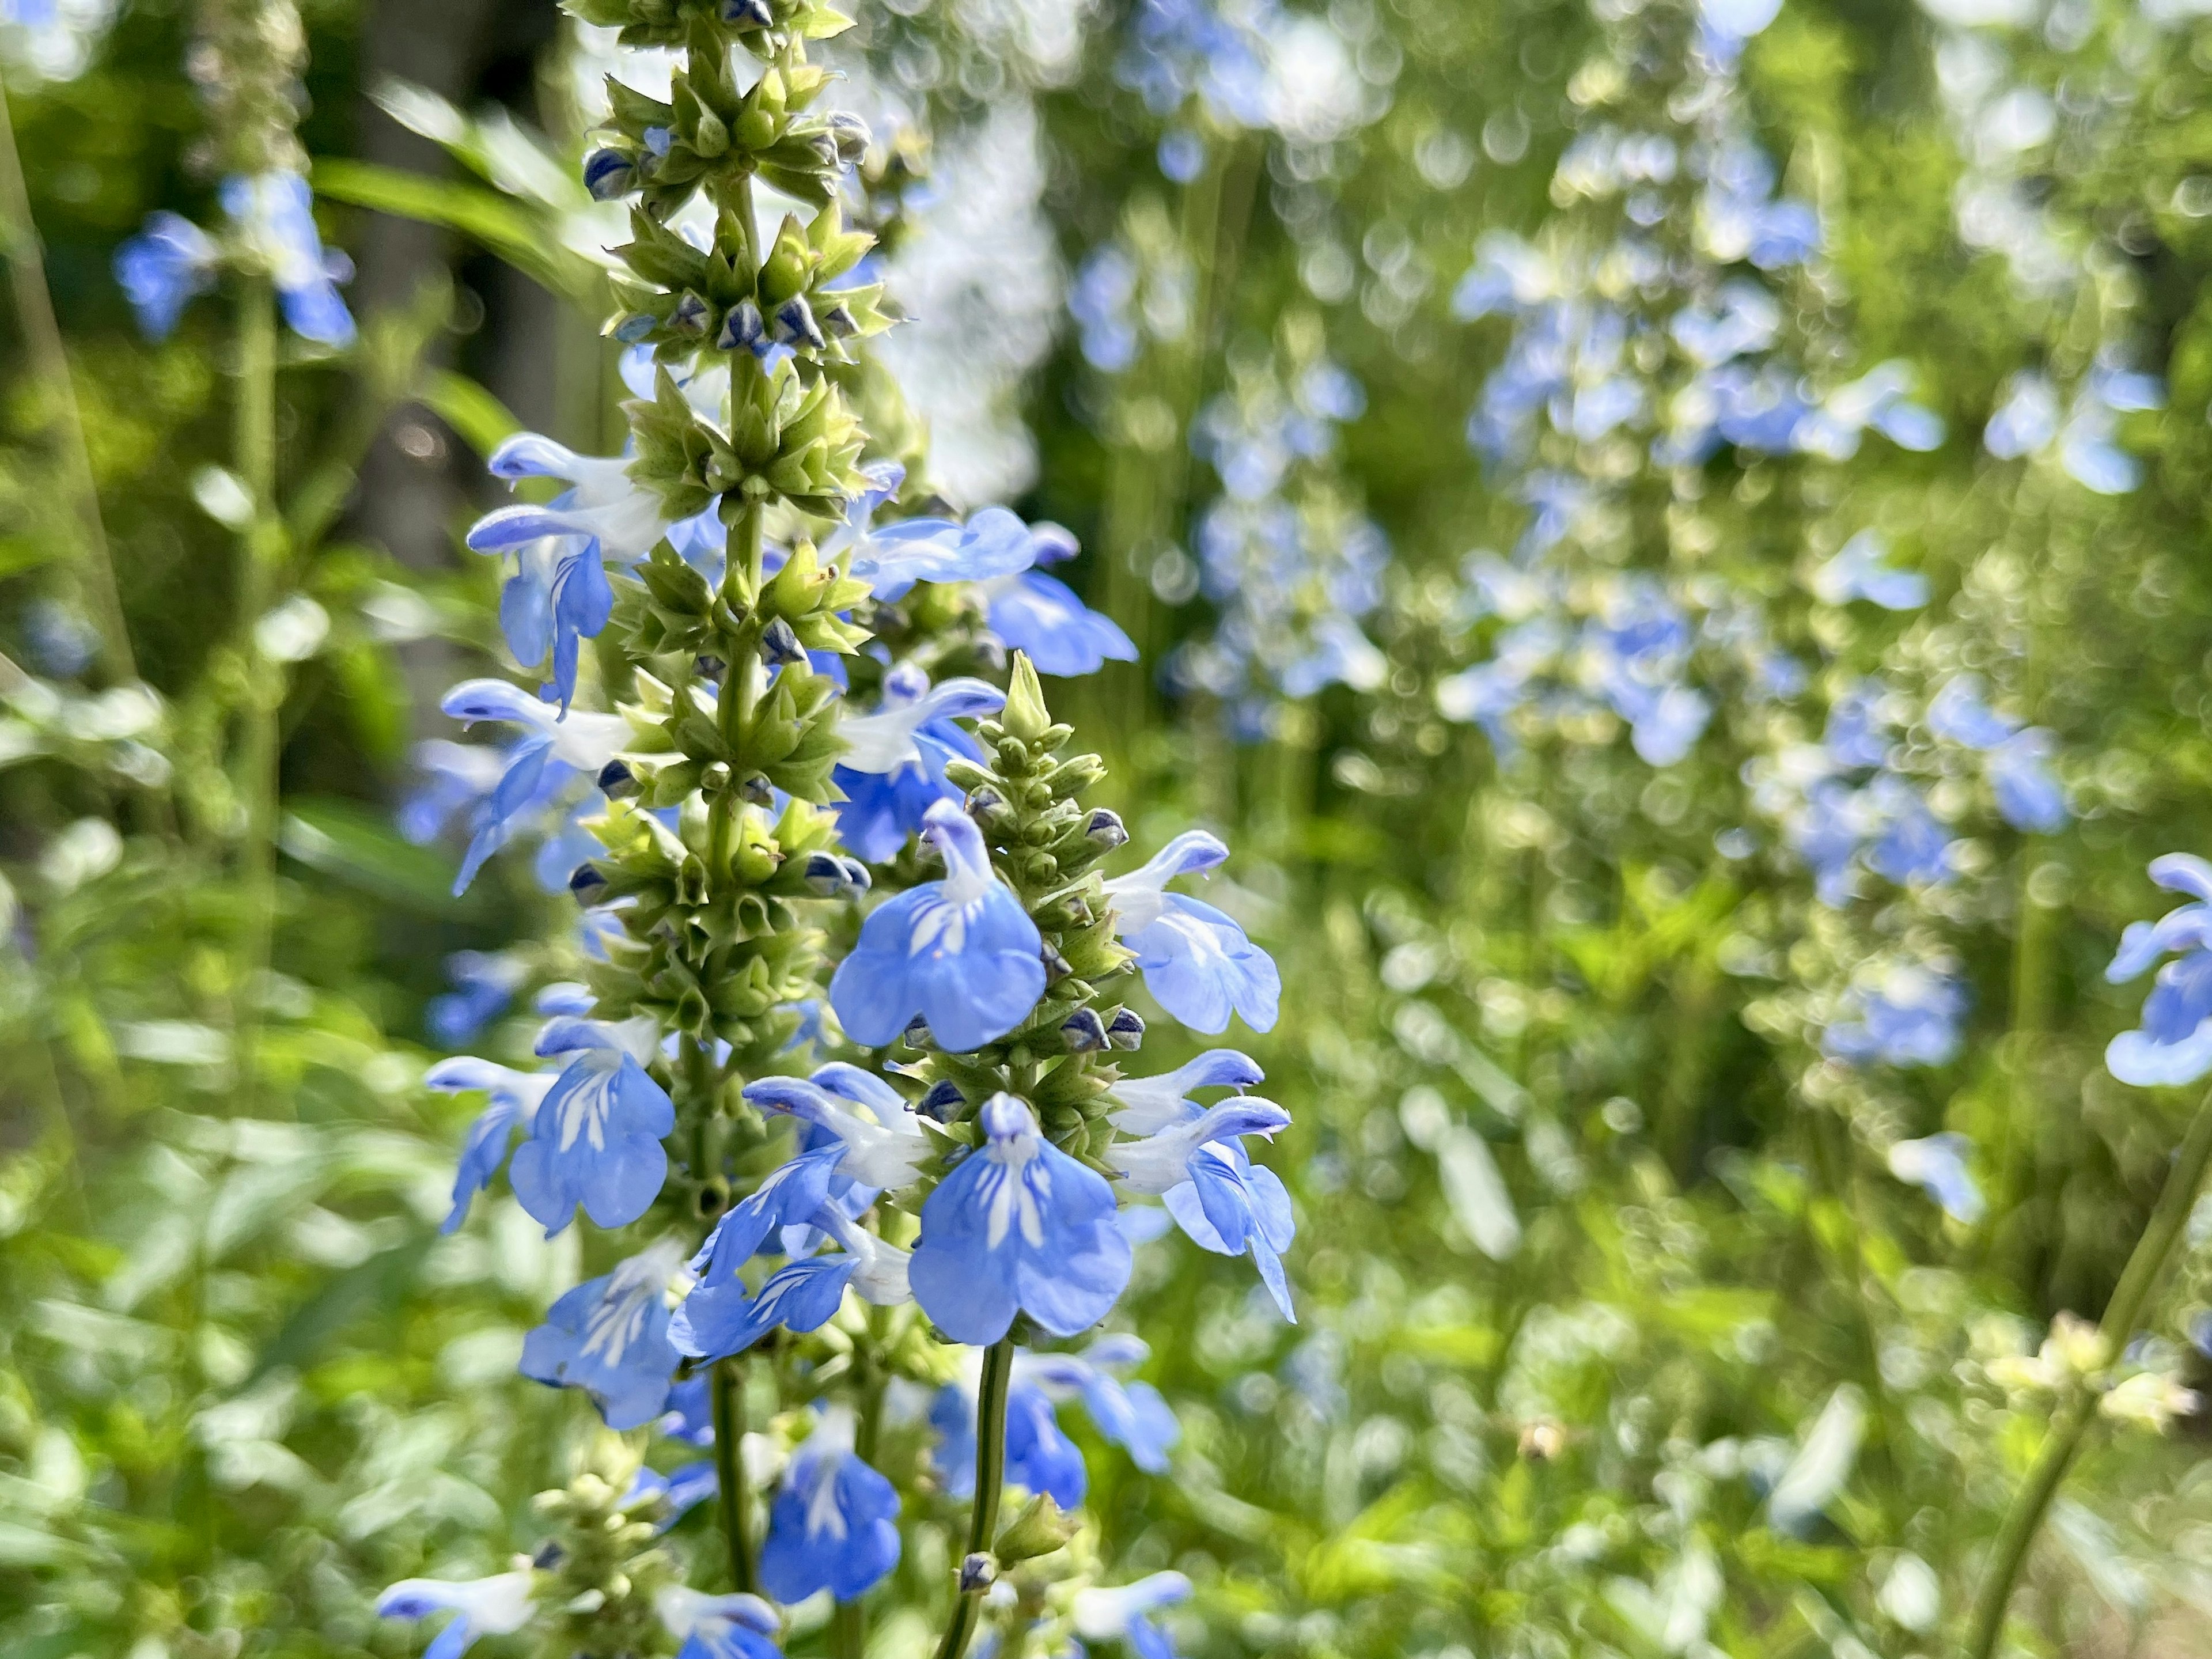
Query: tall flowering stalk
point(878, 1110)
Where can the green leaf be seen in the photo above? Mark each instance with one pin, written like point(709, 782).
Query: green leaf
point(527, 239)
point(344, 839)
point(462, 403)
point(379, 1282)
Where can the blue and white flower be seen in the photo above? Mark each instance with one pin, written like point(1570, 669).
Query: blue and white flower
point(559, 592)
point(680, 1490)
point(498, 1606)
point(484, 983)
point(2174, 1043)
point(515, 1098)
point(609, 1337)
point(162, 268)
point(1150, 1104)
point(893, 769)
point(553, 750)
point(1225, 1202)
point(1124, 1612)
point(891, 559)
point(1197, 963)
point(732, 1627)
point(1938, 1166)
point(595, 1139)
point(1041, 617)
point(272, 221)
point(962, 952)
point(1017, 1226)
point(884, 1140)
point(1040, 1456)
point(834, 1525)
point(1908, 1015)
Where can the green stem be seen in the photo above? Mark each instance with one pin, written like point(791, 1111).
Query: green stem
point(2122, 1315)
point(42, 337)
point(729, 1400)
point(990, 1479)
point(261, 544)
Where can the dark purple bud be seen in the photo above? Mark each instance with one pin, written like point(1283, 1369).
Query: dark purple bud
point(779, 643)
point(1084, 1032)
point(978, 1574)
point(550, 1556)
point(794, 321)
point(1104, 828)
point(742, 327)
point(917, 1034)
point(942, 1101)
point(710, 668)
point(832, 877)
point(585, 883)
point(1125, 1030)
point(690, 314)
point(757, 790)
point(748, 14)
point(839, 323)
point(610, 175)
point(850, 134)
point(615, 780)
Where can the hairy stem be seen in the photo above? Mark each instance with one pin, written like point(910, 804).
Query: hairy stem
point(729, 1399)
point(2153, 1251)
point(42, 338)
point(990, 1479)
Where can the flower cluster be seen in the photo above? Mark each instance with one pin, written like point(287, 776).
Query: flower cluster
point(856, 984)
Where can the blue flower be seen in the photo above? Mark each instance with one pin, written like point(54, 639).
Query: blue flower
point(690, 1416)
point(1017, 1226)
point(1123, 1613)
point(893, 769)
point(485, 983)
point(274, 215)
point(1041, 616)
point(2174, 1042)
point(498, 1606)
point(1909, 1017)
point(1132, 1415)
point(515, 1097)
point(596, 1138)
point(721, 1316)
point(834, 1525)
point(1218, 1195)
point(559, 593)
point(161, 269)
point(1040, 1457)
point(961, 952)
point(884, 1142)
point(552, 750)
point(681, 1490)
point(609, 1337)
point(1197, 963)
point(732, 1627)
point(2028, 797)
point(1857, 572)
point(455, 778)
point(799, 1296)
point(1150, 1104)
point(1937, 1165)
point(993, 543)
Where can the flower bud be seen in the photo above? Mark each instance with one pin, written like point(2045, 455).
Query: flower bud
point(1105, 830)
point(757, 790)
point(942, 1101)
point(585, 883)
point(794, 321)
point(978, 1574)
point(1125, 1030)
point(1024, 716)
point(743, 327)
point(1084, 1032)
point(851, 136)
point(917, 1034)
point(616, 781)
point(710, 668)
point(608, 174)
point(690, 315)
point(779, 643)
point(748, 14)
point(550, 1556)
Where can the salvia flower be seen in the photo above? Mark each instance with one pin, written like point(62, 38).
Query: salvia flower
point(1197, 962)
point(551, 752)
point(1041, 617)
point(515, 1097)
point(893, 769)
point(1124, 1612)
point(732, 1627)
point(679, 1491)
point(484, 983)
point(960, 952)
point(497, 1606)
point(2174, 1043)
point(884, 1141)
point(609, 1337)
point(272, 225)
point(559, 592)
point(161, 269)
point(1040, 1456)
point(595, 1139)
point(1017, 1226)
point(1150, 1104)
point(1938, 1166)
point(1910, 1015)
point(834, 1525)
